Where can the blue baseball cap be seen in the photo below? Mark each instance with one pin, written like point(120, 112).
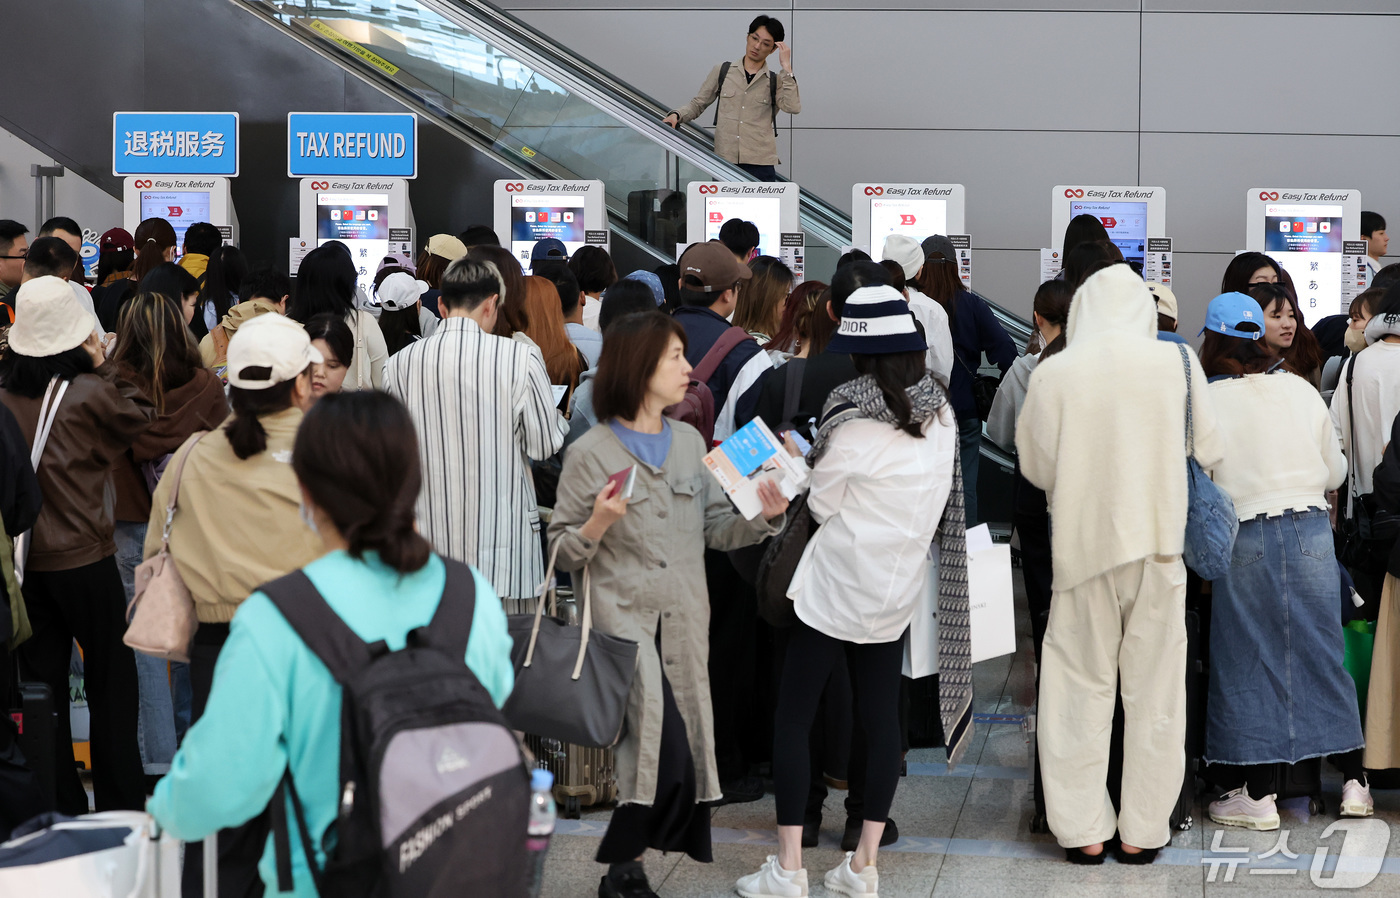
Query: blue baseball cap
point(1229, 310)
point(550, 249)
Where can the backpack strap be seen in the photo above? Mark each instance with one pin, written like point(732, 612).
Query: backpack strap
point(718, 353)
point(719, 87)
point(451, 625)
point(772, 98)
point(328, 637)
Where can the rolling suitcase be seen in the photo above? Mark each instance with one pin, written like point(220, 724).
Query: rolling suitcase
point(27, 780)
point(583, 777)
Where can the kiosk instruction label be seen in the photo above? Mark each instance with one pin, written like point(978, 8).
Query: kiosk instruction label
point(175, 143)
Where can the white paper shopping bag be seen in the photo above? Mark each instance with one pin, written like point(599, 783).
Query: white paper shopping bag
point(921, 648)
point(990, 599)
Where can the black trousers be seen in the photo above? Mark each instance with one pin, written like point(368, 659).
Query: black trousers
point(875, 674)
point(762, 172)
point(240, 847)
point(88, 604)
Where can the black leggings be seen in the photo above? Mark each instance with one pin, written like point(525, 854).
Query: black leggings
point(875, 671)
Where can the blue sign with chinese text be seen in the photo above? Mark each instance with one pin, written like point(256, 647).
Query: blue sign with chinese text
point(352, 144)
point(175, 143)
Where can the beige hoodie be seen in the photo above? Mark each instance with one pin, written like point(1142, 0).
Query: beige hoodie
point(236, 317)
point(1103, 432)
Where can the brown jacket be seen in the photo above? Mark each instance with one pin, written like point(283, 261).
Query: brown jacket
point(192, 407)
point(648, 574)
point(745, 130)
point(99, 418)
point(236, 522)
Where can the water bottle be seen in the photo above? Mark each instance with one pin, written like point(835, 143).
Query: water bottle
point(541, 826)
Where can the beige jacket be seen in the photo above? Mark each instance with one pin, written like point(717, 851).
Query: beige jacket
point(237, 522)
point(745, 130)
point(648, 573)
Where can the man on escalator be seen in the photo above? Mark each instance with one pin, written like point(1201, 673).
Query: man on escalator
point(750, 97)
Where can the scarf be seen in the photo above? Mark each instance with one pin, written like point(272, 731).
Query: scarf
point(862, 398)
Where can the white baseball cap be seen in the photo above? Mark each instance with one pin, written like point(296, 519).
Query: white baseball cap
point(49, 320)
point(267, 351)
point(400, 291)
point(1166, 299)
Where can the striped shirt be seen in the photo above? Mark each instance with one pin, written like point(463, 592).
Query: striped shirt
point(483, 408)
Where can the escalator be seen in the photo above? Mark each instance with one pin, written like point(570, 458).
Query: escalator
point(544, 112)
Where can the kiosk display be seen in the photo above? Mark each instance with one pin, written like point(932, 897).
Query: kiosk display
point(773, 208)
point(533, 218)
point(573, 212)
point(1126, 224)
point(761, 210)
point(361, 222)
point(181, 208)
point(914, 210)
point(1305, 231)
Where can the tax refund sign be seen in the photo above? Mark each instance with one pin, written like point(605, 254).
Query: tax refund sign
point(1304, 230)
point(175, 143)
point(352, 145)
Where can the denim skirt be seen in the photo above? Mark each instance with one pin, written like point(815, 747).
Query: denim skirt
point(1278, 691)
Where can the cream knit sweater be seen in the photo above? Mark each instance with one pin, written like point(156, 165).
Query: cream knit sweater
point(1103, 432)
point(1281, 451)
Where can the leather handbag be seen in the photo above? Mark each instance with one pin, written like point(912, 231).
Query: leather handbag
point(160, 619)
point(571, 683)
point(1211, 524)
point(779, 563)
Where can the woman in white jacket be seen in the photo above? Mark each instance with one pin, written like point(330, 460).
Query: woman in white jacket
point(883, 466)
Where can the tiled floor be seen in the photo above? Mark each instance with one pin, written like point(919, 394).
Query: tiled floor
point(966, 834)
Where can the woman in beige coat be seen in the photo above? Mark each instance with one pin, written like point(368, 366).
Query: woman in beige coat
point(646, 560)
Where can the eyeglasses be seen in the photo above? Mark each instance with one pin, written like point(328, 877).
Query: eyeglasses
point(23, 255)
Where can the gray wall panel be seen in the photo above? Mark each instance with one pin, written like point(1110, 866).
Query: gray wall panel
point(1206, 89)
point(1313, 7)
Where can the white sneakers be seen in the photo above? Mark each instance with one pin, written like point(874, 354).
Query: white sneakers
point(1356, 800)
point(772, 880)
point(845, 881)
point(1236, 808)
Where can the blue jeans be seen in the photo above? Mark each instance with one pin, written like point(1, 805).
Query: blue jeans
point(155, 726)
point(969, 451)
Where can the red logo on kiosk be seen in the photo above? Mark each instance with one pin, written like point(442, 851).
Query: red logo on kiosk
point(141, 184)
point(1108, 221)
point(320, 185)
point(716, 216)
point(906, 220)
point(1072, 194)
point(514, 188)
point(874, 191)
point(175, 211)
point(1269, 196)
point(709, 188)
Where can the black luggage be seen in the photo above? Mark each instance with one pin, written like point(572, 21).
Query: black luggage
point(1182, 816)
point(27, 781)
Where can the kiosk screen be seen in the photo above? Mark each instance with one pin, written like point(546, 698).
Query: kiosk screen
point(181, 208)
point(361, 222)
point(533, 218)
point(761, 210)
point(1306, 240)
point(1126, 224)
point(917, 218)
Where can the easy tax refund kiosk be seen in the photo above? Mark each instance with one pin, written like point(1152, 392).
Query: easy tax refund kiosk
point(774, 208)
point(1315, 234)
point(354, 169)
point(177, 166)
point(526, 212)
point(919, 211)
point(1131, 215)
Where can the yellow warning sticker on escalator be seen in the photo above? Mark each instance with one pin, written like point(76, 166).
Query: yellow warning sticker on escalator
point(364, 53)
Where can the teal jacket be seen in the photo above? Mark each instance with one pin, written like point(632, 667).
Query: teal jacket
point(275, 703)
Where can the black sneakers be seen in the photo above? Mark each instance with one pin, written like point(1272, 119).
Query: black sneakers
point(850, 839)
point(627, 880)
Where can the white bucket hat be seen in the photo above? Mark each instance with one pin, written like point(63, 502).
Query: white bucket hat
point(49, 320)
